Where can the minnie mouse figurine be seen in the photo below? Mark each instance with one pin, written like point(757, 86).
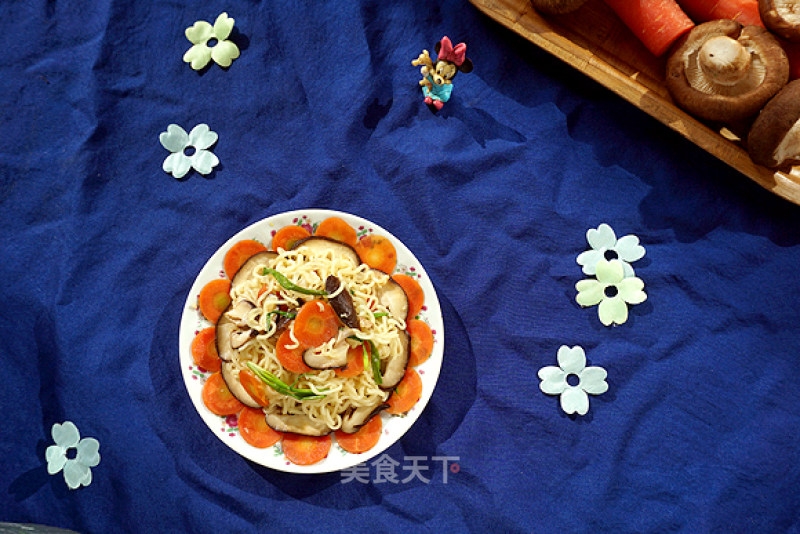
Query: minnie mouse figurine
point(437, 78)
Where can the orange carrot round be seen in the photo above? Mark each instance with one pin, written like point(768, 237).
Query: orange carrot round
point(316, 323)
point(240, 253)
point(337, 229)
point(204, 350)
point(254, 387)
point(421, 342)
point(291, 359)
point(406, 394)
point(218, 398)
point(355, 363)
point(363, 439)
point(214, 298)
point(255, 430)
point(377, 252)
point(305, 450)
point(287, 236)
point(416, 297)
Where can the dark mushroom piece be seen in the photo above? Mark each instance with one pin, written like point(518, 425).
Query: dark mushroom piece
point(225, 328)
point(723, 71)
point(782, 17)
point(394, 367)
point(359, 417)
point(230, 376)
point(322, 245)
point(774, 139)
point(342, 303)
point(298, 423)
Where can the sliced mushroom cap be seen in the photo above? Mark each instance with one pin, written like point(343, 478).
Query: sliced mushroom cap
point(342, 303)
point(247, 270)
point(299, 424)
point(723, 71)
point(391, 295)
point(395, 366)
point(229, 373)
point(782, 17)
point(323, 245)
point(336, 358)
point(359, 417)
point(774, 139)
point(224, 330)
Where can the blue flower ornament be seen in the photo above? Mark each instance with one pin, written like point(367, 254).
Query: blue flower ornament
point(73, 455)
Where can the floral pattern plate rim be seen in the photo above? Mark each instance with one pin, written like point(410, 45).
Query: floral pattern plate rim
point(226, 428)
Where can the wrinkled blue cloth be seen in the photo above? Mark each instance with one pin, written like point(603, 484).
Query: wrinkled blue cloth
point(494, 193)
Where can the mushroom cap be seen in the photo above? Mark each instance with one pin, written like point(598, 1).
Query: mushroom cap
point(782, 17)
point(723, 71)
point(774, 138)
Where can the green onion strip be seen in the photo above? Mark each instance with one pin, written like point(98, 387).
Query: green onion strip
point(281, 387)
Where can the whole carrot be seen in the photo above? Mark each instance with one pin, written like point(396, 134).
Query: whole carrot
point(656, 23)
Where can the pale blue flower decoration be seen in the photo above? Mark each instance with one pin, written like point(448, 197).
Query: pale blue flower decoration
point(612, 291)
point(176, 140)
point(590, 380)
point(606, 246)
point(76, 466)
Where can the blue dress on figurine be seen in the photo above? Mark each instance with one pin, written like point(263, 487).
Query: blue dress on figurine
point(438, 92)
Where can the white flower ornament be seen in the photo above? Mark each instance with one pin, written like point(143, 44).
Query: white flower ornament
point(590, 380)
point(606, 246)
point(77, 470)
point(223, 52)
point(176, 140)
point(612, 291)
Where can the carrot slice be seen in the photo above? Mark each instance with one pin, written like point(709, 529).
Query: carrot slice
point(316, 323)
point(287, 236)
point(421, 343)
point(255, 430)
point(337, 229)
point(416, 298)
point(656, 23)
point(254, 387)
point(214, 298)
point(377, 252)
point(355, 363)
point(362, 440)
point(218, 398)
point(305, 450)
point(204, 350)
point(239, 253)
point(291, 359)
point(406, 394)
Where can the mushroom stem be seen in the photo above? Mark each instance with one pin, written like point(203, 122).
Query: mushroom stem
point(724, 60)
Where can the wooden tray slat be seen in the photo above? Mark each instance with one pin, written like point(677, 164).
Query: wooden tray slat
point(594, 41)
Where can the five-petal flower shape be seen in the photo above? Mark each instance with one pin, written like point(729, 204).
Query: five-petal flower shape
point(612, 291)
point(606, 246)
point(77, 470)
point(176, 140)
point(223, 53)
point(572, 361)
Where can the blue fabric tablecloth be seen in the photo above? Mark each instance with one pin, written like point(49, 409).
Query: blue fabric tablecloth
point(494, 194)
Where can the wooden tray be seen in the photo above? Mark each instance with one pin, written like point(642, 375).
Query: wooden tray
point(596, 42)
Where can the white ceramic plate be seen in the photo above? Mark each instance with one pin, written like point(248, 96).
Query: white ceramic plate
point(226, 428)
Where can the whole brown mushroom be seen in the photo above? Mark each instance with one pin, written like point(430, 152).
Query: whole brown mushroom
point(782, 17)
point(723, 71)
point(774, 138)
